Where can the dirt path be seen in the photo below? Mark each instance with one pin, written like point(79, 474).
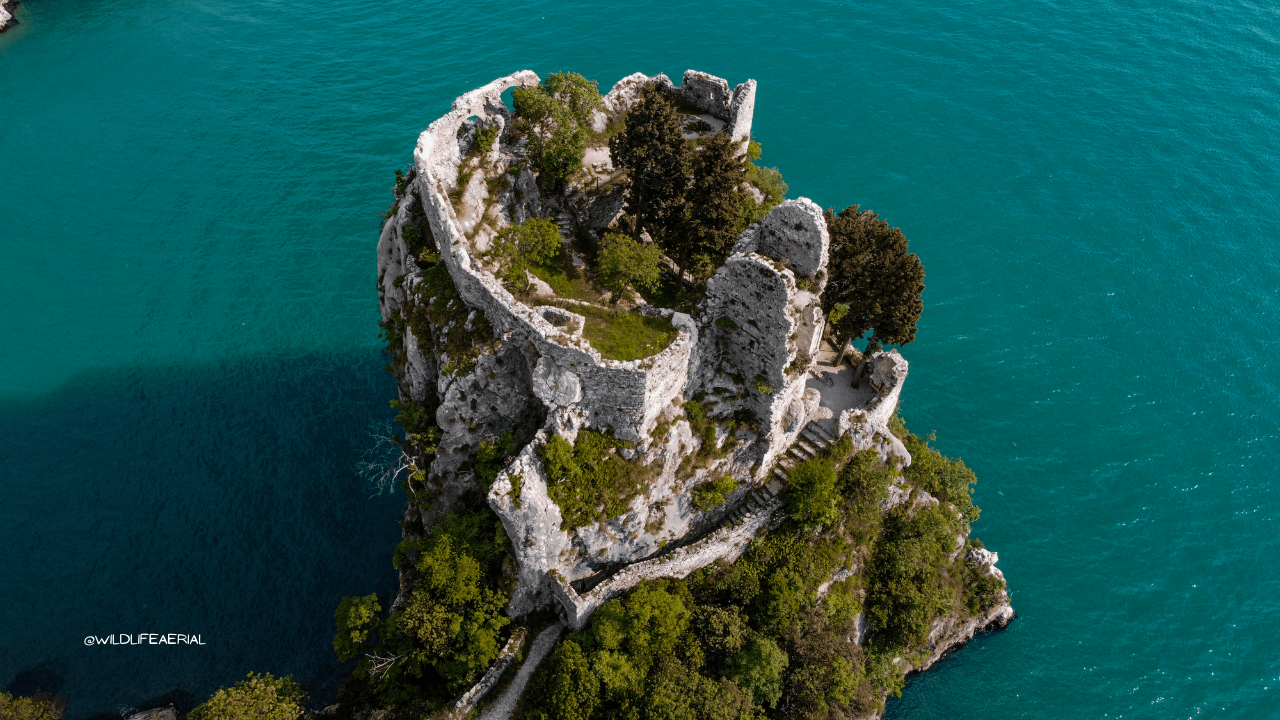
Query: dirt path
point(502, 707)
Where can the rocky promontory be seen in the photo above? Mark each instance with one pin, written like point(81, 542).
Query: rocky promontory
point(656, 444)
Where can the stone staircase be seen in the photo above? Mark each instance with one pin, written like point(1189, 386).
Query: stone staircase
point(811, 441)
point(566, 226)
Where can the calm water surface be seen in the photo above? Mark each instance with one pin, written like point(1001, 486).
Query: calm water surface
point(189, 202)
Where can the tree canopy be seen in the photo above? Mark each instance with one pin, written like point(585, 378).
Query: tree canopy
point(25, 708)
point(653, 149)
point(451, 628)
point(534, 242)
point(624, 261)
point(556, 115)
point(453, 615)
point(566, 688)
point(715, 205)
point(874, 279)
point(758, 669)
point(260, 697)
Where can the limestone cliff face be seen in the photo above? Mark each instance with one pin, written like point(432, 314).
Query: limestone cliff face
point(491, 364)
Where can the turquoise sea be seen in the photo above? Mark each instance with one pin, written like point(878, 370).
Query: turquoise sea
point(189, 367)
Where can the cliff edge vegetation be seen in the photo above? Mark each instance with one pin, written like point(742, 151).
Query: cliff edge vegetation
point(647, 472)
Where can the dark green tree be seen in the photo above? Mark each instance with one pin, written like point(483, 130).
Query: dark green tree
point(555, 115)
point(520, 247)
point(652, 148)
point(875, 279)
point(625, 261)
point(566, 687)
point(758, 671)
point(715, 205)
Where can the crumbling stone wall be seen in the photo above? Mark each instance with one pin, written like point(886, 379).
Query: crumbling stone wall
point(708, 93)
point(796, 232)
point(760, 328)
point(726, 543)
point(539, 376)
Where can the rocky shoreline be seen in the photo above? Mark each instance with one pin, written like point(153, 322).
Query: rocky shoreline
point(6, 14)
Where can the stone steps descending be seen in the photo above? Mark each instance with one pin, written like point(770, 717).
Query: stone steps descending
point(565, 224)
point(815, 434)
point(811, 442)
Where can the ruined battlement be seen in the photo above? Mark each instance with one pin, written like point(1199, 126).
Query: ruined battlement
point(750, 346)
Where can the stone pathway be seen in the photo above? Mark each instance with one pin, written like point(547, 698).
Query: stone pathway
point(813, 439)
point(502, 708)
point(834, 384)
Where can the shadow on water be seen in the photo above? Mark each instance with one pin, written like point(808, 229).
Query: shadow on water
point(217, 501)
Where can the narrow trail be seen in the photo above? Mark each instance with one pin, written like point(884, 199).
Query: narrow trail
point(501, 708)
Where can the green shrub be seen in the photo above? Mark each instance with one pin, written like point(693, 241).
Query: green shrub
point(761, 386)
point(896, 425)
point(864, 483)
point(770, 183)
point(841, 604)
point(623, 261)
point(576, 94)
point(906, 587)
point(261, 697)
point(492, 456)
point(812, 487)
point(704, 428)
point(841, 449)
point(519, 247)
point(565, 687)
point(557, 113)
point(695, 412)
point(436, 313)
point(25, 708)
point(758, 671)
point(727, 323)
point(946, 479)
point(982, 591)
point(358, 623)
point(419, 423)
point(589, 474)
point(712, 494)
point(484, 139)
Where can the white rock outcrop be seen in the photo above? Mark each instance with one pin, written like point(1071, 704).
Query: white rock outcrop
point(6, 14)
point(748, 350)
